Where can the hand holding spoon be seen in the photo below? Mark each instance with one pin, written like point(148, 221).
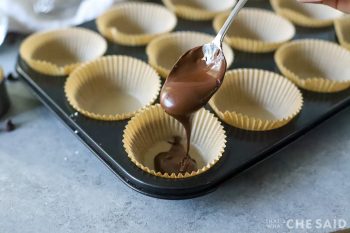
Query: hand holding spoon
point(194, 79)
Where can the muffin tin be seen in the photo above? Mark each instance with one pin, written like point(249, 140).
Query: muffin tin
point(243, 148)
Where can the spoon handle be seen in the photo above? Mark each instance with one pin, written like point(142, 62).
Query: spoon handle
point(221, 34)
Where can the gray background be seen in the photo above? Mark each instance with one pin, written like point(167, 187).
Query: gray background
point(49, 182)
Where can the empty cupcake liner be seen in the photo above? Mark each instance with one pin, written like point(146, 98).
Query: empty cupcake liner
point(112, 87)
point(256, 30)
point(135, 23)
point(164, 51)
point(59, 52)
point(256, 100)
point(315, 65)
point(199, 9)
point(342, 28)
point(147, 134)
point(306, 14)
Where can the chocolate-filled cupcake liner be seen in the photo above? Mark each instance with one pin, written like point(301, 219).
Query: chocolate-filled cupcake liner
point(148, 133)
point(257, 100)
point(199, 9)
point(164, 51)
point(112, 87)
point(4, 99)
point(306, 14)
point(315, 65)
point(342, 28)
point(135, 23)
point(59, 52)
point(256, 30)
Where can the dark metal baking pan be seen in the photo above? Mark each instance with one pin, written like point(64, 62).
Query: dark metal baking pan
point(4, 99)
point(244, 149)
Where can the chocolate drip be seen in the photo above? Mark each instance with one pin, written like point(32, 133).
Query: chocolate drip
point(175, 160)
point(191, 83)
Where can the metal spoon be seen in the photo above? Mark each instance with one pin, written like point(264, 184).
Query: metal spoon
point(210, 49)
point(191, 82)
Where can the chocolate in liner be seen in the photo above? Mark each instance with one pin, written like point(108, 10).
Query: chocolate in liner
point(175, 160)
point(190, 84)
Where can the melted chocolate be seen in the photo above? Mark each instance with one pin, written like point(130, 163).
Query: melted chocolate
point(190, 84)
point(175, 160)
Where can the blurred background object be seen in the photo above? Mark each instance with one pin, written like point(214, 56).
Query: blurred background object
point(35, 15)
point(3, 27)
point(4, 100)
point(55, 8)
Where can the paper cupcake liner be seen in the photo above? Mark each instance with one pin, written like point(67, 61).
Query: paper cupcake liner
point(112, 87)
point(135, 23)
point(1, 74)
point(315, 65)
point(306, 14)
point(199, 10)
point(255, 30)
point(147, 134)
point(256, 100)
point(59, 52)
point(164, 51)
point(342, 28)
